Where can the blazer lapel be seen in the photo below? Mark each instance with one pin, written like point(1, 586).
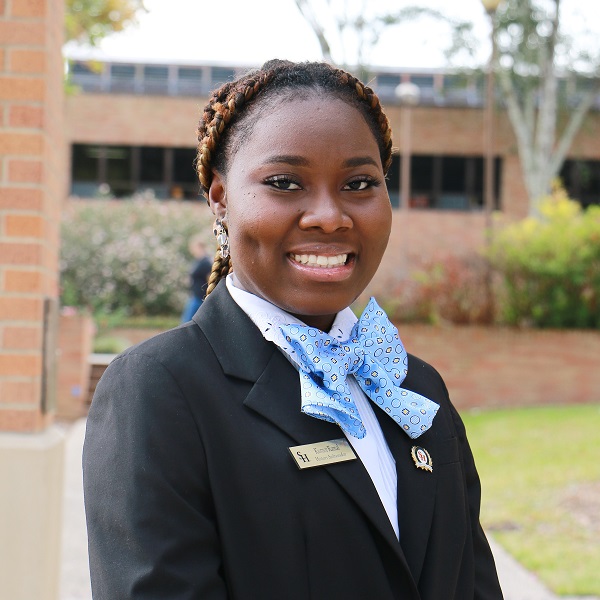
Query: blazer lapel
point(232, 335)
point(236, 341)
point(416, 491)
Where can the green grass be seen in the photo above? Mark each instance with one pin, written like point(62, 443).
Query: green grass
point(107, 344)
point(540, 473)
point(106, 322)
point(112, 336)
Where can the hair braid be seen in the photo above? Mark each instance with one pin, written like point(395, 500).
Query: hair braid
point(221, 268)
point(367, 95)
point(225, 103)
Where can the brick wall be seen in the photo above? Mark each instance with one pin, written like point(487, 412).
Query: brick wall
point(33, 178)
point(130, 120)
point(493, 367)
point(420, 235)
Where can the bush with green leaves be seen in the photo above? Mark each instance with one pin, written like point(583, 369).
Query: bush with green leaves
point(549, 268)
point(129, 257)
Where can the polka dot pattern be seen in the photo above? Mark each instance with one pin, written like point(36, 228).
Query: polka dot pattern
point(375, 356)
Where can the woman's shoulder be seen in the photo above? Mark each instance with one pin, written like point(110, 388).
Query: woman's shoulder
point(171, 350)
point(166, 341)
point(424, 379)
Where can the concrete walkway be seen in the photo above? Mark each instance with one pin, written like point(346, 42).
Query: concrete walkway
point(517, 583)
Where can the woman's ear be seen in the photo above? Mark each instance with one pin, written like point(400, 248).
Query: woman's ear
point(217, 196)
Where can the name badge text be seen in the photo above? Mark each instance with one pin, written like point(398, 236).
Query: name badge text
point(322, 453)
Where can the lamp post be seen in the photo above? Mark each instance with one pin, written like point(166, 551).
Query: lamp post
point(408, 94)
point(491, 6)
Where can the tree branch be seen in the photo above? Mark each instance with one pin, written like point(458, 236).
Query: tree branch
point(307, 12)
point(573, 126)
point(520, 126)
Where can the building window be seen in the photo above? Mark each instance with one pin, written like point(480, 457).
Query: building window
point(184, 165)
point(388, 80)
point(87, 76)
point(80, 68)
point(189, 81)
point(423, 176)
point(443, 182)
point(121, 171)
point(119, 175)
point(85, 175)
point(84, 162)
point(122, 78)
point(156, 80)
point(185, 179)
point(581, 179)
point(152, 165)
point(122, 71)
point(422, 81)
point(221, 75)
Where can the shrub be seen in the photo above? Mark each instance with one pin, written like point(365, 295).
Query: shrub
point(129, 257)
point(550, 267)
point(451, 289)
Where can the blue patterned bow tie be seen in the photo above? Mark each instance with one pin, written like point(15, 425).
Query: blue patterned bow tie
point(375, 356)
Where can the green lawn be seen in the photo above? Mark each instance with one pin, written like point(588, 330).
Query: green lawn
point(540, 473)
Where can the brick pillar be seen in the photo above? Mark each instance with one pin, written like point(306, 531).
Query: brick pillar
point(32, 188)
point(75, 344)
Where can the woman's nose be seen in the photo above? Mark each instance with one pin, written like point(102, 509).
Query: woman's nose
point(325, 211)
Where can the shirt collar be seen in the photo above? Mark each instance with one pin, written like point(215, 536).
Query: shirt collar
point(267, 317)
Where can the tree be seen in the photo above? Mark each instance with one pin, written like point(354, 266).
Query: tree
point(88, 21)
point(350, 29)
point(548, 80)
point(548, 85)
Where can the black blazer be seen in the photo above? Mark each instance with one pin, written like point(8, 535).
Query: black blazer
point(191, 492)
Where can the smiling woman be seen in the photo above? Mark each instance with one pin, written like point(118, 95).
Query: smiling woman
point(201, 443)
point(308, 227)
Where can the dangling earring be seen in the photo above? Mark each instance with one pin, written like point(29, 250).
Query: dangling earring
point(222, 238)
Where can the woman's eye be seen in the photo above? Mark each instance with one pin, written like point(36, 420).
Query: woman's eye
point(359, 184)
point(282, 183)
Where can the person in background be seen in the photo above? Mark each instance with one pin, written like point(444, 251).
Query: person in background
point(276, 447)
point(199, 274)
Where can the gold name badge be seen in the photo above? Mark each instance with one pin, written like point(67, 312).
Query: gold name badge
point(322, 453)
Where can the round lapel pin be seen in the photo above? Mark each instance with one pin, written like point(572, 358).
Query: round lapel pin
point(422, 458)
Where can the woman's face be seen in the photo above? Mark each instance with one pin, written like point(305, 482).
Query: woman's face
point(307, 208)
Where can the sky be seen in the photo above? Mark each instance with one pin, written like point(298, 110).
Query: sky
point(249, 32)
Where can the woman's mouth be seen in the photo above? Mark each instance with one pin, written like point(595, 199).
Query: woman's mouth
point(320, 261)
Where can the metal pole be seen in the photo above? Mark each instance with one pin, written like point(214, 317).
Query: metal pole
point(488, 128)
point(490, 174)
point(408, 94)
point(405, 158)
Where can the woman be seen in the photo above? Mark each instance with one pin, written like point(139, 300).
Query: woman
point(197, 440)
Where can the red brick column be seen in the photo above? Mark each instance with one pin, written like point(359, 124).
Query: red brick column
point(32, 176)
point(32, 187)
point(75, 343)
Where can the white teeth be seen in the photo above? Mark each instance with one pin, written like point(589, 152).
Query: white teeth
point(320, 261)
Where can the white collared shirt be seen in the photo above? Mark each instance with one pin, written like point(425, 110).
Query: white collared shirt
point(372, 449)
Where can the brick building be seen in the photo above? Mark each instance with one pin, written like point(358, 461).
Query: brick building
point(132, 127)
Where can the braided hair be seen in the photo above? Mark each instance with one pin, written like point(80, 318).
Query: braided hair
point(235, 108)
